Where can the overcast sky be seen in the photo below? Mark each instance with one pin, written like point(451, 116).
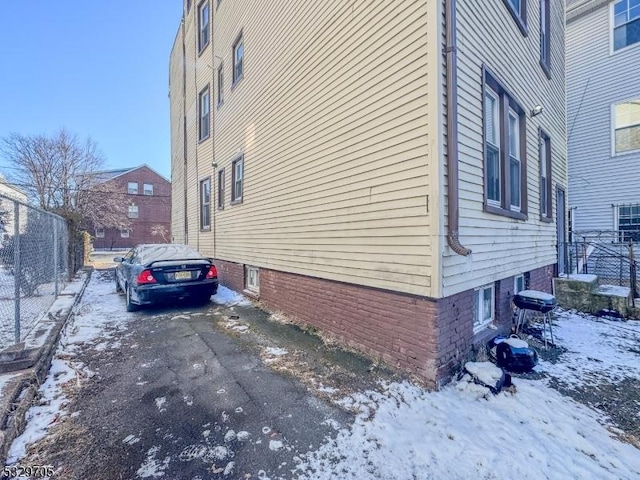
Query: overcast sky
point(98, 68)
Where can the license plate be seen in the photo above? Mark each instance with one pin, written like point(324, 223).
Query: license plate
point(183, 275)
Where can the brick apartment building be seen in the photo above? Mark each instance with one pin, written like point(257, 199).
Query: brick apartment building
point(149, 198)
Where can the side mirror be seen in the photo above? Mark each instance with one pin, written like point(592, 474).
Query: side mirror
point(118, 259)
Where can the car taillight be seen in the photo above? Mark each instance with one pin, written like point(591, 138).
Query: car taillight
point(212, 273)
point(145, 277)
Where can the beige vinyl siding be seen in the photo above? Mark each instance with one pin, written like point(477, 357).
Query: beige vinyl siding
point(488, 35)
point(176, 104)
point(331, 117)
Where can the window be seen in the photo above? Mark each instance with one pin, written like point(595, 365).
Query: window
point(221, 189)
point(252, 279)
point(238, 59)
point(545, 39)
point(545, 176)
point(124, 232)
point(99, 232)
point(220, 84)
point(484, 307)
point(133, 211)
point(237, 179)
point(626, 23)
point(626, 126)
point(629, 222)
point(205, 204)
point(132, 188)
point(518, 10)
point(147, 189)
point(504, 152)
point(514, 160)
point(518, 284)
point(204, 114)
point(203, 25)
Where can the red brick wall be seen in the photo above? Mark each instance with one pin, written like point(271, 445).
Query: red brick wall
point(427, 337)
point(542, 279)
point(152, 210)
point(230, 274)
point(397, 328)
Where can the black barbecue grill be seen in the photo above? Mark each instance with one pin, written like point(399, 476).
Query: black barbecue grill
point(536, 301)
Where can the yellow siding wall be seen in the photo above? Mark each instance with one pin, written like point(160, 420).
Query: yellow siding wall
point(177, 139)
point(331, 117)
point(502, 247)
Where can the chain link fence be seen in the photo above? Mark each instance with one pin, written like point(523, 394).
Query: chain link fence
point(33, 266)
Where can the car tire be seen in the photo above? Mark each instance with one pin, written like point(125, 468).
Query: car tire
point(118, 287)
point(131, 307)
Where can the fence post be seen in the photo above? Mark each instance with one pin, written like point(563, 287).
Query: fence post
point(55, 254)
point(632, 275)
point(17, 275)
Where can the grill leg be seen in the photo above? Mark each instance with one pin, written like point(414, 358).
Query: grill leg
point(548, 319)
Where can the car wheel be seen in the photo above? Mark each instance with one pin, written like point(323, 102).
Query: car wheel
point(131, 307)
point(118, 287)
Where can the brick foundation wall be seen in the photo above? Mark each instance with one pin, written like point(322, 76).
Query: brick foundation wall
point(431, 338)
point(230, 274)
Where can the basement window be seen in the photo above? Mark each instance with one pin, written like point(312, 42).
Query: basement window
point(484, 307)
point(252, 279)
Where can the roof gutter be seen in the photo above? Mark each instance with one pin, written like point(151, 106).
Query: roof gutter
point(452, 131)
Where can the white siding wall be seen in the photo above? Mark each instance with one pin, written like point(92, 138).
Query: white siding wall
point(176, 105)
point(488, 35)
point(596, 79)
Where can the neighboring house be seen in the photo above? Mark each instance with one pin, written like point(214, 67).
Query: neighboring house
point(149, 195)
point(603, 116)
point(8, 193)
point(327, 159)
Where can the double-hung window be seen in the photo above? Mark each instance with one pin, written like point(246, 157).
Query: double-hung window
point(203, 25)
point(626, 23)
point(99, 232)
point(545, 38)
point(133, 211)
point(132, 188)
point(238, 59)
point(504, 152)
point(237, 179)
point(220, 85)
point(203, 107)
point(205, 204)
point(221, 189)
point(148, 189)
point(629, 222)
point(626, 124)
point(545, 176)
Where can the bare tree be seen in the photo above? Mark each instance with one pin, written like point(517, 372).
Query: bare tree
point(63, 175)
point(161, 230)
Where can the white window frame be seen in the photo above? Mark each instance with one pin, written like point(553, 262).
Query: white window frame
point(134, 211)
point(514, 156)
point(125, 233)
point(480, 323)
point(147, 187)
point(612, 27)
point(204, 29)
point(615, 153)
point(252, 279)
point(99, 232)
point(204, 111)
point(132, 188)
point(238, 61)
point(517, 279)
point(237, 180)
point(496, 129)
point(205, 204)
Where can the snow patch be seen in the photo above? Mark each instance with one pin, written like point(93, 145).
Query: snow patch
point(226, 296)
point(161, 403)
point(275, 445)
point(151, 467)
point(205, 453)
point(485, 372)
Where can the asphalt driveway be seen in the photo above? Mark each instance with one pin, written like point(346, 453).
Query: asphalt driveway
point(173, 393)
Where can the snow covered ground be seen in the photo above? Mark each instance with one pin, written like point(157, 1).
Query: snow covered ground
point(405, 432)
